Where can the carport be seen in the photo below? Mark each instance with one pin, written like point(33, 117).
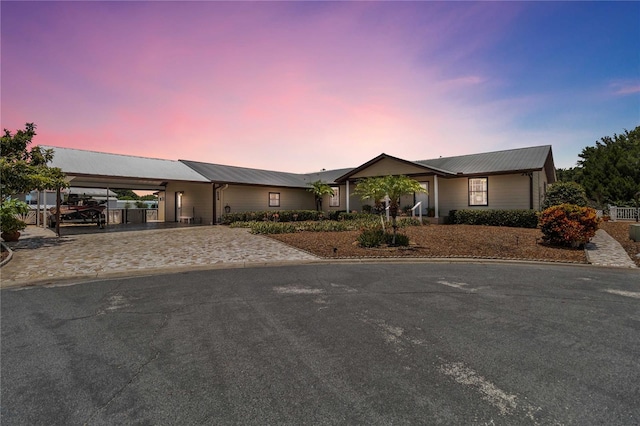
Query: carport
point(180, 189)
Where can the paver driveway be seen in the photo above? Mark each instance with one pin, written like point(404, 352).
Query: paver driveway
point(40, 256)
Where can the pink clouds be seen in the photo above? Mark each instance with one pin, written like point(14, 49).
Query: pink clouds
point(261, 84)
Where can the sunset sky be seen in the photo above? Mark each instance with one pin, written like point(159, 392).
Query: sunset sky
point(302, 86)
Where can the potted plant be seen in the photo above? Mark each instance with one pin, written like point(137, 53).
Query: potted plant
point(10, 225)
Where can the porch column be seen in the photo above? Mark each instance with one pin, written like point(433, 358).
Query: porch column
point(348, 209)
point(435, 195)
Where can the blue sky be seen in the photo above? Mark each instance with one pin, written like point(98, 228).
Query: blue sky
point(299, 87)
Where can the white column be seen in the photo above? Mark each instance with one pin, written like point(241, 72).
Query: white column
point(347, 197)
point(435, 194)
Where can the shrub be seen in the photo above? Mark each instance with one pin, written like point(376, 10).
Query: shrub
point(371, 237)
point(376, 236)
point(270, 215)
point(272, 227)
point(511, 218)
point(568, 225)
point(565, 193)
point(9, 212)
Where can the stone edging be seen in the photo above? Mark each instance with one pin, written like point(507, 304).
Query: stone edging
point(8, 258)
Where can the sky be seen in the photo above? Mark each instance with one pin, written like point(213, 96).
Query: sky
point(306, 86)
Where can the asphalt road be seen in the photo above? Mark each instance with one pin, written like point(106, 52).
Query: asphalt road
point(328, 344)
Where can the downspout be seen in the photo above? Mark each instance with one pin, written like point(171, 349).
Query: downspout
point(530, 174)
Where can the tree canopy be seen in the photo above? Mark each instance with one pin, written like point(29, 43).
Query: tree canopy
point(565, 193)
point(22, 169)
point(394, 187)
point(319, 190)
point(610, 170)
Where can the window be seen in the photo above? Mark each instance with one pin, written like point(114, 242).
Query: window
point(334, 200)
point(478, 192)
point(274, 199)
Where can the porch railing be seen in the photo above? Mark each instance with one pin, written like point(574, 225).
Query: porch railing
point(623, 213)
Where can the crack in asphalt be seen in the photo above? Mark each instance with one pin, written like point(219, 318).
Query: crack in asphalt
point(140, 369)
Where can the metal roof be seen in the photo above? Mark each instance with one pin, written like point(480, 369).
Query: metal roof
point(243, 175)
point(91, 169)
point(512, 160)
point(98, 169)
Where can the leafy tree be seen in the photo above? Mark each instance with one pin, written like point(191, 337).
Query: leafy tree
point(610, 170)
point(319, 190)
point(393, 187)
point(565, 193)
point(572, 174)
point(372, 188)
point(23, 170)
point(125, 194)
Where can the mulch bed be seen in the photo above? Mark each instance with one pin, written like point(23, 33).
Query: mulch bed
point(451, 241)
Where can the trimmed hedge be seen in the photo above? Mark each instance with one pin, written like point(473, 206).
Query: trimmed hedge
point(271, 215)
point(511, 218)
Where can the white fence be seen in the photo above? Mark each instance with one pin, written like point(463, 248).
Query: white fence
point(621, 213)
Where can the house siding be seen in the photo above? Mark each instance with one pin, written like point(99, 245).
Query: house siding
point(386, 167)
point(197, 201)
point(504, 192)
point(242, 198)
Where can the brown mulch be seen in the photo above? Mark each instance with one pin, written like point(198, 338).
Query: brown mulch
point(450, 241)
point(620, 231)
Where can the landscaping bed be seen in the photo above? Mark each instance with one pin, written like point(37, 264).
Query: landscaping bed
point(452, 241)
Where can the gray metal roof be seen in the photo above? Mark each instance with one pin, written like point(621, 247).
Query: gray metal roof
point(80, 162)
point(243, 175)
point(99, 168)
point(521, 159)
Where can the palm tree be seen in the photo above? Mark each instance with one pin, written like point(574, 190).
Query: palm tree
point(319, 190)
point(372, 188)
point(393, 187)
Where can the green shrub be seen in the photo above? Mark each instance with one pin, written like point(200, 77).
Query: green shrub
point(568, 225)
point(371, 237)
point(565, 193)
point(511, 218)
point(267, 227)
point(270, 215)
point(376, 236)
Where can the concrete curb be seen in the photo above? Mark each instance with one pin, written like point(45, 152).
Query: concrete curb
point(86, 278)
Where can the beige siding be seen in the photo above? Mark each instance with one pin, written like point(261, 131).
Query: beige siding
point(504, 192)
point(162, 205)
point(197, 201)
point(388, 166)
point(252, 198)
point(539, 187)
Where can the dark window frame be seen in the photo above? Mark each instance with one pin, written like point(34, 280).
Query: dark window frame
point(472, 192)
point(274, 200)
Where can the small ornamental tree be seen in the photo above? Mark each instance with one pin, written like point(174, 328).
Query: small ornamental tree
point(393, 187)
point(565, 193)
point(319, 190)
point(568, 225)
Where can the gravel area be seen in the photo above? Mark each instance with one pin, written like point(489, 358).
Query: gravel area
point(451, 241)
point(620, 231)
